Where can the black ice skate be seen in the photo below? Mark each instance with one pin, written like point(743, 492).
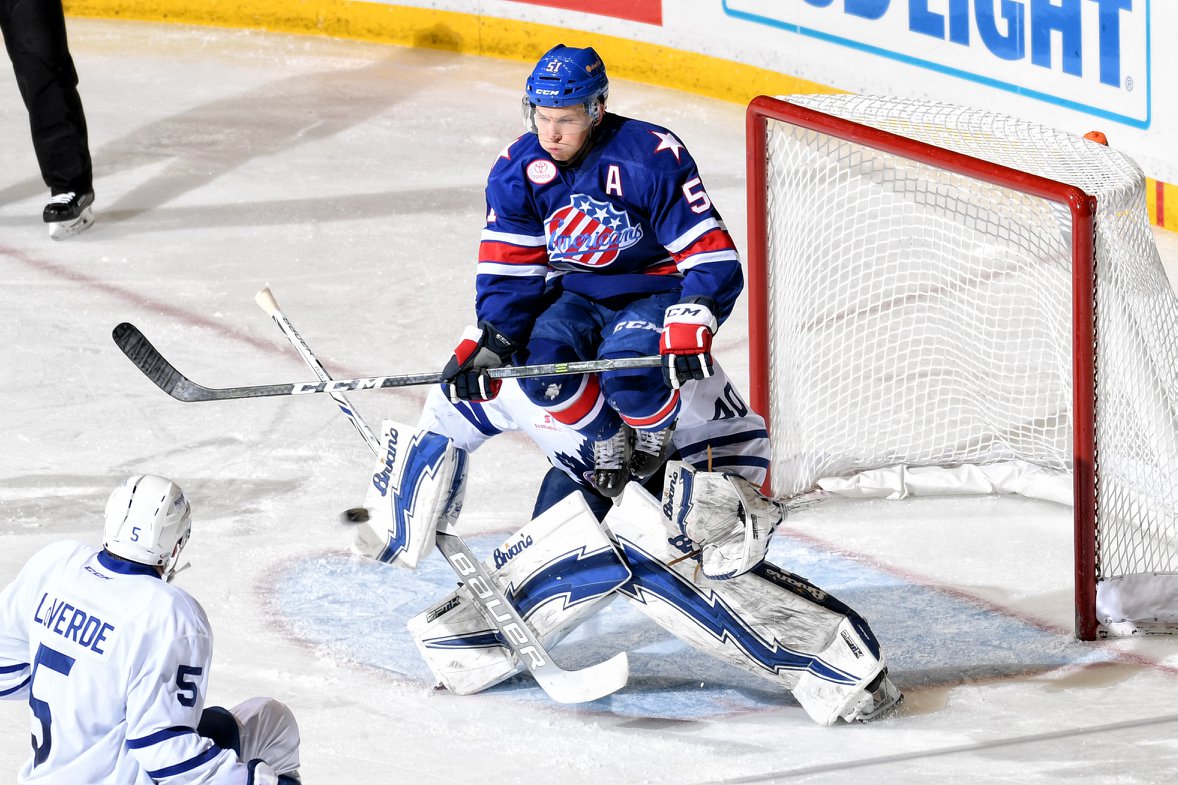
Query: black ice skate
point(650, 451)
point(611, 467)
point(68, 214)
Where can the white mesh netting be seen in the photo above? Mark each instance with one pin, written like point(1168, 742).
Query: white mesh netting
point(920, 317)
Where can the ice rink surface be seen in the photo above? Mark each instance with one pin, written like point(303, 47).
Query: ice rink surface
point(348, 177)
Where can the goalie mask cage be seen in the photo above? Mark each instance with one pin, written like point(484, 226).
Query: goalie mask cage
point(939, 286)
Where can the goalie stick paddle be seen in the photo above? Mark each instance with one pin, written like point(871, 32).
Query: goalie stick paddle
point(164, 375)
point(561, 685)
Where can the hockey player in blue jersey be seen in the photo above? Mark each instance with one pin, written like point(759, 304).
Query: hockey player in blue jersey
point(114, 662)
point(600, 242)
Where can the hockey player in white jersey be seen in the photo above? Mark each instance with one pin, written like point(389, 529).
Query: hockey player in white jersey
point(694, 562)
point(114, 661)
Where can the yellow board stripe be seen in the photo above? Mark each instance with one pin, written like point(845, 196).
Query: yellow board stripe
point(465, 33)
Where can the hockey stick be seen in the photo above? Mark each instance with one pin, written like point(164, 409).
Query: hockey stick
point(562, 686)
point(265, 300)
point(165, 376)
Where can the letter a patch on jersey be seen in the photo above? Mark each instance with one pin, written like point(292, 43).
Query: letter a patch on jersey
point(588, 233)
point(613, 181)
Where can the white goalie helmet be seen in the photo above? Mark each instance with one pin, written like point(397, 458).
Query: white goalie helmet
point(148, 521)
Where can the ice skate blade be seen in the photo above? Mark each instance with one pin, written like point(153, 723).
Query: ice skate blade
point(60, 230)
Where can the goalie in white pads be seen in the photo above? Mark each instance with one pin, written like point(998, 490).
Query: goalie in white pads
point(566, 564)
point(715, 429)
point(114, 662)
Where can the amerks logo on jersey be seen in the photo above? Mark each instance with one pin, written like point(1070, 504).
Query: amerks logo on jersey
point(588, 233)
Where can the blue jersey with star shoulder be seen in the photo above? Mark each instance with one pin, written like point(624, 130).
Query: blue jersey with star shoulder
point(631, 219)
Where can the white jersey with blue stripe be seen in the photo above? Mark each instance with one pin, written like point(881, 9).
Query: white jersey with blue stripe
point(716, 430)
point(114, 663)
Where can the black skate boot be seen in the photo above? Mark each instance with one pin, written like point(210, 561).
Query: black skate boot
point(68, 214)
point(650, 451)
point(611, 467)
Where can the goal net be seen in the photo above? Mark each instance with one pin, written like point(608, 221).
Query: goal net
point(944, 299)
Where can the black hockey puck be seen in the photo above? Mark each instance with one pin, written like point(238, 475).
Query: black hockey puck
point(356, 515)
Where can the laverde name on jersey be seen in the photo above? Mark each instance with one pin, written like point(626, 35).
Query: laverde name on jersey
point(73, 623)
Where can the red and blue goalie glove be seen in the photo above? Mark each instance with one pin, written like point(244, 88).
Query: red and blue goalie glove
point(686, 345)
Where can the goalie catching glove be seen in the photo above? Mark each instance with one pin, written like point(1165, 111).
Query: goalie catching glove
point(686, 345)
point(724, 515)
point(481, 347)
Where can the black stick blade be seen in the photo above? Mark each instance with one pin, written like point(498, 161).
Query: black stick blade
point(147, 359)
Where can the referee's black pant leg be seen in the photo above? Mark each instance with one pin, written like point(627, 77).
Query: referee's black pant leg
point(35, 37)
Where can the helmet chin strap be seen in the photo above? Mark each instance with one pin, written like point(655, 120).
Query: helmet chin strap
point(169, 570)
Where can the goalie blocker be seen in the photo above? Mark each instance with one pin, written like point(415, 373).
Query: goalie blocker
point(565, 566)
point(419, 480)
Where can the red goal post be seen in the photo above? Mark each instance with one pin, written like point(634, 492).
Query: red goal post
point(923, 293)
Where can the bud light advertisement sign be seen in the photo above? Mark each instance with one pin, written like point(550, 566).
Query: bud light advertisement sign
point(1091, 56)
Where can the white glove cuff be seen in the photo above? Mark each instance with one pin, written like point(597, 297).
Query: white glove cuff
point(691, 313)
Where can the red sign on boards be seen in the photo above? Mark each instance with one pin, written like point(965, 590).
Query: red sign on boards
point(648, 11)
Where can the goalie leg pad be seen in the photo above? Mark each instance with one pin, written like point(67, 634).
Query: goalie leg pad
point(419, 479)
point(557, 570)
point(767, 621)
point(853, 684)
point(464, 652)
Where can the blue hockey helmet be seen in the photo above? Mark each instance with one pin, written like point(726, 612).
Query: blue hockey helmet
point(567, 76)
